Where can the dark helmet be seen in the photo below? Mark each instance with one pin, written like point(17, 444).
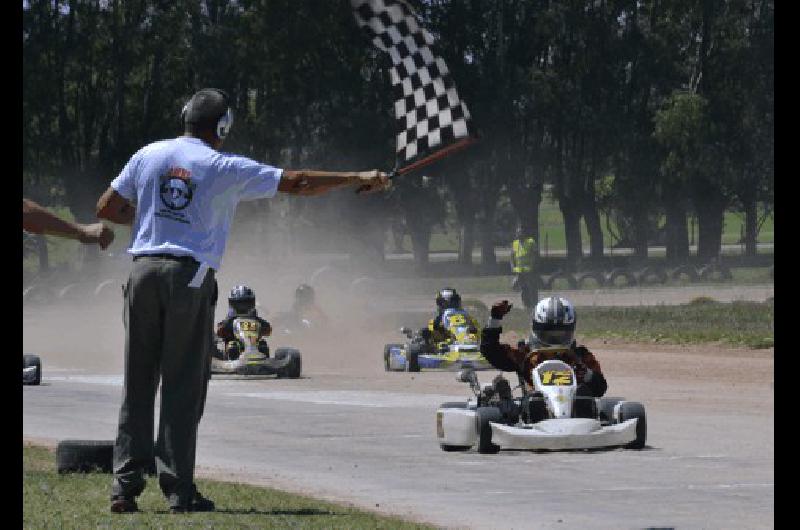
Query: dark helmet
point(448, 299)
point(304, 294)
point(553, 322)
point(242, 300)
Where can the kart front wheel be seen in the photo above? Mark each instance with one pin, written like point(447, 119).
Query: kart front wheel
point(293, 365)
point(483, 416)
point(629, 410)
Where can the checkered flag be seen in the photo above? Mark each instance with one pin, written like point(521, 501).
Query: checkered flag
point(432, 121)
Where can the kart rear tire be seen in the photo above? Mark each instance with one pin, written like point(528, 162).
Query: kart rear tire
point(33, 360)
point(454, 448)
point(454, 405)
point(412, 359)
point(386, 352)
point(629, 410)
point(483, 416)
point(293, 367)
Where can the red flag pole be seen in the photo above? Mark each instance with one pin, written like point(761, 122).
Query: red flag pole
point(438, 155)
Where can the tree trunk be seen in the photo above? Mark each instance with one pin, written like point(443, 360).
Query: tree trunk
point(710, 217)
point(750, 227)
point(467, 242)
point(641, 229)
point(44, 255)
point(572, 230)
point(488, 256)
point(677, 232)
point(420, 246)
point(593, 225)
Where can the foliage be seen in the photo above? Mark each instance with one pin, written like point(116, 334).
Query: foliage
point(629, 109)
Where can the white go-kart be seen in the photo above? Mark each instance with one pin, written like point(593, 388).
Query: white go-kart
point(540, 418)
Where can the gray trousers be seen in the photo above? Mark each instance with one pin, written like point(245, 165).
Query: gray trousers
point(167, 338)
point(529, 284)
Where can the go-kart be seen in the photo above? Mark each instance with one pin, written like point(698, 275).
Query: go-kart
point(462, 350)
point(252, 358)
point(31, 369)
point(545, 417)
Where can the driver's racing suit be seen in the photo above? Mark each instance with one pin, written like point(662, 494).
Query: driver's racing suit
point(232, 345)
point(436, 332)
point(522, 359)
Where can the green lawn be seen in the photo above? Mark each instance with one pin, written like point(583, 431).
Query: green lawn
point(51, 500)
point(746, 324)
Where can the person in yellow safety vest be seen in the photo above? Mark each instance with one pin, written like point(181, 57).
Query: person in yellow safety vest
point(523, 255)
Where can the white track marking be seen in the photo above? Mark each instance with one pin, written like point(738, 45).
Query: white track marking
point(353, 398)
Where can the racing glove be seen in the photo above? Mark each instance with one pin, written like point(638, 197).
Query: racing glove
point(498, 311)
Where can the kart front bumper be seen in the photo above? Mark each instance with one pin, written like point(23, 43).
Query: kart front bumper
point(567, 433)
point(267, 366)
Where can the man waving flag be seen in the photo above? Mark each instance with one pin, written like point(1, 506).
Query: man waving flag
point(432, 121)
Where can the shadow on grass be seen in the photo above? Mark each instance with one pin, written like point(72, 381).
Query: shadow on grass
point(253, 511)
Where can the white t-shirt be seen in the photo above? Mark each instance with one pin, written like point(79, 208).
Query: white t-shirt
point(185, 195)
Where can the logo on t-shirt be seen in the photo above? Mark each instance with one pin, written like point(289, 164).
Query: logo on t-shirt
point(176, 188)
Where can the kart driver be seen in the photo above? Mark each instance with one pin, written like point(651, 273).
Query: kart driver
point(552, 330)
point(242, 303)
point(305, 307)
point(436, 331)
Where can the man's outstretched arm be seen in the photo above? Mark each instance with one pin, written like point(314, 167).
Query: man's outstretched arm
point(310, 182)
point(39, 220)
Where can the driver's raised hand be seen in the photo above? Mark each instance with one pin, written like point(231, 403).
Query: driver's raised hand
point(500, 309)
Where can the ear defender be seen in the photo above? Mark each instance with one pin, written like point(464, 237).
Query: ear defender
point(225, 122)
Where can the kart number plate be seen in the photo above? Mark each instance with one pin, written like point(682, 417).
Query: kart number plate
point(556, 377)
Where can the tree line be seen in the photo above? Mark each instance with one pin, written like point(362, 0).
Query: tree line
point(641, 112)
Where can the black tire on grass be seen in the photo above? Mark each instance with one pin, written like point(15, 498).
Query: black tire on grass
point(591, 275)
point(615, 274)
point(29, 360)
point(684, 270)
point(85, 456)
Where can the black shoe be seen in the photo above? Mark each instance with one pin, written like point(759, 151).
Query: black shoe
point(122, 504)
point(198, 504)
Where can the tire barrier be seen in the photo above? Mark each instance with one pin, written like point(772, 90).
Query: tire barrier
point(715, 271)
point(70, 291)
point(583, 278)
point(107, 286)
point(362, 285)
point(613, 277)
point(37, 294)
point(560, 275)
point(651, 276)
point(89, 456)
point(684, 271)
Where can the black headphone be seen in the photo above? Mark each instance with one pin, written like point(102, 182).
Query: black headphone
point(224, 123)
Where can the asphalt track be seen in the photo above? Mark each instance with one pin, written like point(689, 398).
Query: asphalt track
point(348, 431)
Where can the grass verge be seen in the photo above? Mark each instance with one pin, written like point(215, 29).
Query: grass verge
point(51, 500)
point(743, 324)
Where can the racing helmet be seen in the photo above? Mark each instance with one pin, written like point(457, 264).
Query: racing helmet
point(448, 299)
point(553, 322)
point(304, 295)
point(242, 300)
